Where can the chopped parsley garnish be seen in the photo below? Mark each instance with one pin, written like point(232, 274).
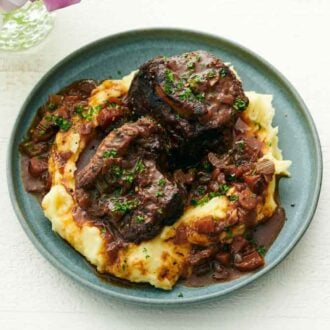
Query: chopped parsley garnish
point(201, 190)
point(180, 295)
point(200, 97)
point(240, 146)
point(87, 113)
point(123, 267)
point(258, 125)
point(51, 106)
point(112, 104)
point(168, 89)
point(139, 166)
point(159, 194)
point(239, 104)
point(119, 173)
point(144, 250)
point(103, 230)
point(223, 189)
point(109, 153)
point(211, 74)
point(214, 194)
point(191, 65)
point(186, 94)
point(116, 171)
point(195, 80)
point(233, 198)
point(203, 200)
point(125, 206)
point(128, 178)
point(169, 76)
point(62, 123)
point(223, 72)
point(229, 233)
point(180, 84)
point(79, 109)
point(207, 166)
point(162, 182)
point(139, 219)
point(194, 202)
point(261, 250)
point(169, 79)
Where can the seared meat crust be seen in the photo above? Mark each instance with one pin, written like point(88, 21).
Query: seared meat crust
point(123, 185)
point(188, 94)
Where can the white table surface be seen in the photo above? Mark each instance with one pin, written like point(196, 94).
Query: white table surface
point(294, 36)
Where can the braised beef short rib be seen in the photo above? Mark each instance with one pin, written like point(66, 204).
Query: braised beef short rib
point(123, 183)
point(188, 94)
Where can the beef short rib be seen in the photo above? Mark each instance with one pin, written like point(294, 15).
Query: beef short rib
point(122, 184)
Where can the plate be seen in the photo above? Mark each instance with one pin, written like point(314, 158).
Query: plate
point(118, 55)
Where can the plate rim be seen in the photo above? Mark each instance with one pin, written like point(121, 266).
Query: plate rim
point(158, 301)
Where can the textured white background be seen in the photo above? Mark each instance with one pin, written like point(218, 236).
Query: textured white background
point(291, 34)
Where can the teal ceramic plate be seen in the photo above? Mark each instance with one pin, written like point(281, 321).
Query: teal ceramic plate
point(120, 54)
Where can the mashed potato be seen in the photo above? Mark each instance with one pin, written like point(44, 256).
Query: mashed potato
point(159, 261)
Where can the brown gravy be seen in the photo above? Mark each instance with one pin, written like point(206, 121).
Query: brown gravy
point(263, 234)
point(31, 184)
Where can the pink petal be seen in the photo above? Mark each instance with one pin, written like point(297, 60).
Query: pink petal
point(57, 4)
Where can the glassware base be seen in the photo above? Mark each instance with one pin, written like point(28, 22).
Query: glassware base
point(26, 26)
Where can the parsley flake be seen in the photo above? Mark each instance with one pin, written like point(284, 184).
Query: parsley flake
point(191, 65)
point(159, 194)
point(51, 106)
point(211, 73)
point(194, 202)
point(128, 178)
point(186, 94)
point(144, 250)
point(62, 123)
point(169, 75)
point(125, 206)
point(240, 145)
point(139, 166)
point(87, 113)
point(162, 182)
point(223, 189)
point(116, 171)
point(207, 166)
point(239, 104)
point(223, 72)
point(109, 153)
point(261, 250)
point(229, 233)
point(139, 219)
